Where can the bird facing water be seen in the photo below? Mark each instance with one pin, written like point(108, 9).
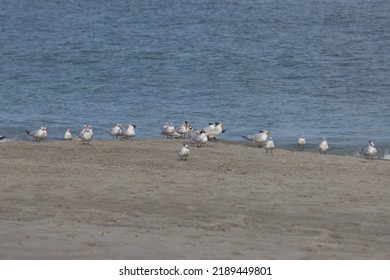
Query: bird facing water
point(301, 142)
point(129, 132)
point(323, 147)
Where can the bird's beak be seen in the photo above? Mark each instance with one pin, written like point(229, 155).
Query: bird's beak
point(268, 132)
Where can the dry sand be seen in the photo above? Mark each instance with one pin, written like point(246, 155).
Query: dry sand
point(137, 200)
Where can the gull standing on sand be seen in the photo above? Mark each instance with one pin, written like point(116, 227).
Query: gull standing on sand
point(86, 134)
point(269, 145)
point(183, 129)
point(199, 139)
point(39, 135)
point(115, 131)
point(259, 138)
point(85, 127)
point(68, 134)
point(301, 142)
point(184, 152)
point(323, 147)
point(210, 127)
point(129, 132)
point(370, 151)
point(168, 130)
point(214, 132)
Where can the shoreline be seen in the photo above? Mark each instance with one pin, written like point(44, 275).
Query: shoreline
point(311, 148)
point(229, 200)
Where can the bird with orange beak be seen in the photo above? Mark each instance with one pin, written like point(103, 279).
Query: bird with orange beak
point(39, 135)
point(258, 138)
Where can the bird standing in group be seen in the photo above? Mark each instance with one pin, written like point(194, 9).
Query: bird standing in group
point(323, 147)
point(68, 134)
point(269, 145)
point(259, 138)
point(184, 152)
point(39, 135)
point(199, 139)
point(168, 130)
point(183, 129)
point(216, 130)
point(129, 132)
point(301, 142)
point(115, 131)
point(370, 151)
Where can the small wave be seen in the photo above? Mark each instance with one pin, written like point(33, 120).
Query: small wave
point(386, 155)
point(357, 153)
point(5, 140)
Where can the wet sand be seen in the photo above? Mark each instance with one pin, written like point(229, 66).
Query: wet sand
point(137, 200)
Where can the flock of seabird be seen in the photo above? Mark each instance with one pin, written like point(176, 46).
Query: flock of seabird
point(198, 137)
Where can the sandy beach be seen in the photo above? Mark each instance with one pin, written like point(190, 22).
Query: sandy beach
point(137, 200)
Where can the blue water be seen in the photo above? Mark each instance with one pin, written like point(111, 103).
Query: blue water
point(321, 68)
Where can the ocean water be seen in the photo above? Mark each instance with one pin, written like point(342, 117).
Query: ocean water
point(321, 68)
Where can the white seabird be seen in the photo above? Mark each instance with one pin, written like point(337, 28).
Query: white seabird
point(85, 127)
point(129, 132)
point(115, 131)
point(210, 127)
point(39, 135)
point(269, 145)
point(183, 129)
point(184, 152)
point(168, 130)
point(370, 151)
point(259, 138)
point(301, 142)
point(214, 132)
point(323, 147)
point(199, 139)
point(68, 134)
point(86, 134)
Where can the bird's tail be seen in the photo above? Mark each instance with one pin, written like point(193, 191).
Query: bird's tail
point(28, 132)
point(246, 137)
